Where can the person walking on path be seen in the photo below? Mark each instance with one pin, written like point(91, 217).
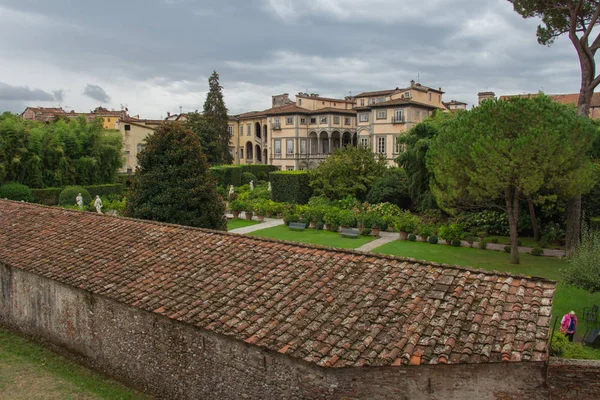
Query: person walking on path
point(568, 325)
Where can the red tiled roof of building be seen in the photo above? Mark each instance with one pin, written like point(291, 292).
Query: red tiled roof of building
point(334, 308)
point(396, 102)
point(317, 97)
point(572, 98)
point(379, 93)
point(333, 110)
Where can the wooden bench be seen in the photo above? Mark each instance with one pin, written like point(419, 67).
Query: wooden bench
point(297, 226)
point(350, 233)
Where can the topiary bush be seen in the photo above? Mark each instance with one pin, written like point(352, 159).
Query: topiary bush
point(432, 239)
point(507, 249)
point(48, 196)
point(412, 237)
point(456, 243)
point(16, 191)
point(248, 177)
point(69, 195)
point(483, 244)
point(290, 186)
point(537, 251)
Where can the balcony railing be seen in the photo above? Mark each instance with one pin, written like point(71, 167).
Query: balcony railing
point(396, 120)
point(276, 126)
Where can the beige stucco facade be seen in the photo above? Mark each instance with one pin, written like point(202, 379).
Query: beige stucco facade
point(134, 133)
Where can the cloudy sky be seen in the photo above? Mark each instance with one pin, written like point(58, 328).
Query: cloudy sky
point(156, 55)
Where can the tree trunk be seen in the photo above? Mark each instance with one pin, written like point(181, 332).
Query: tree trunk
point(512, 209)
point(536, 230)
point(573, 223)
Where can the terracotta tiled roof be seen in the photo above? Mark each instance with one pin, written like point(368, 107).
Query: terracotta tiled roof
point(572, 98)
point(308, 96)
point(286, 109)
point(334, 308)
point(332, 110)
point(379, 93)
point(396, 102)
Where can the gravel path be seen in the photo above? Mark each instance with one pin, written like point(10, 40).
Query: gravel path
point(384, 237)
point(268, 223)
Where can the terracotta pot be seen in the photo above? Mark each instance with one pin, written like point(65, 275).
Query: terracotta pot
point(403, 235)
point(313, 224)
point(236, 214)
point(278, 215)
point(424, 238)
point(248, 215)
point(260, 218)
point(375, 231)
point(390, 229)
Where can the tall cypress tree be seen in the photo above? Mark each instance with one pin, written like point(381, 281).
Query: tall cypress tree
point(211, 125)
point(173, 183)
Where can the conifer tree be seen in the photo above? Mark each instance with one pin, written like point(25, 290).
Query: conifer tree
point(172, 182)
point(211, 125)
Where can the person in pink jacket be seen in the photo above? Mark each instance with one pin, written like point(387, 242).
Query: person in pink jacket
point(568, 325)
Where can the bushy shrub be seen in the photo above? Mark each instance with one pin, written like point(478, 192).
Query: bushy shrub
point(320, 226)
point(552, 232)
point(114, 205)
point(432, 239)
point(366, 232)
point(291, 218)
point(561, 347)
point(237, 205)
point(456, 243)
point(425, 229)
point(48, 196)
point(346, 218)
point(114, 191)
point(69, 195)
point(16, 191)
point(331, 216)
point(507, 249)
point(450, 232)
point(316, 213)
point(260, 206)
point(537, 251)
point(494, 240)
point(583, 270)
point(319, 201)
point(386, 214)
point(494, 222)
point(248, 177)
point(290, 186)
point(406, 222)
point(412, 237)
point(483, 244)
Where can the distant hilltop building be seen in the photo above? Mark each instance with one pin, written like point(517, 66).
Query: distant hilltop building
point(43, 114)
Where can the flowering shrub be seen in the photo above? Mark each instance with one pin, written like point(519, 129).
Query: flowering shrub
point(492, 222)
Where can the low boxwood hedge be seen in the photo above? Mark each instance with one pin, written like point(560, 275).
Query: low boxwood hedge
point(290, 186)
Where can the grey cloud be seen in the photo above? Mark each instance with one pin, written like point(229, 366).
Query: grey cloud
point(96, 92)
point(59, 95)
point(23, 93)
point(328, 46)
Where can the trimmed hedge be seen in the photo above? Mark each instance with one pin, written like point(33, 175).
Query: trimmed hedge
point(51, 196)
point(290, 186)
point(16, 191)
point(47, 196)
point(69, 195)
point(261, 171)
point(227, 175)
point(248, 177)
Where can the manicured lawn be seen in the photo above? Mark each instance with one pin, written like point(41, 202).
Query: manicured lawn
point(31, 371)
point(525, 241)
point(565, 299)
point(312, 236)
point(237, 223)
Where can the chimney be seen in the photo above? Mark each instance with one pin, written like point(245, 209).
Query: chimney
point(412, 82)
point(168, 114)
point(482, 96)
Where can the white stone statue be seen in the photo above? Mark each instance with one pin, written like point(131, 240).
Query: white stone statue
point(98, 204)
point(79, 201)
point(251, 185)
point(230, 190)
point(269, 188)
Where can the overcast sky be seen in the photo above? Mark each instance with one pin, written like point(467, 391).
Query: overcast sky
point(156, 55)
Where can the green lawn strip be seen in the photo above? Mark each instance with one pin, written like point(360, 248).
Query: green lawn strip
point(16, 350)
point(313, 236)
point(565, 298)
point(237, 223)
point(525, 241)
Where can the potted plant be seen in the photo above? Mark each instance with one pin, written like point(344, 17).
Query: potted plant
point(406, 223)
point(330, 218)
point(346, 219)
point(248, 211)
point(450, 233)
point(236, 207)
point(260, 208)
point(425, 230)
point(375, 230)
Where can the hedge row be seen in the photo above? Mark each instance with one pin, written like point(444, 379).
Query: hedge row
point(290, 187)
point(260, 170)
point(227, 175)
point(50, 196)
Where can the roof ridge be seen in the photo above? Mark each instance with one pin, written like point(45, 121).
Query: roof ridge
point(291, 243)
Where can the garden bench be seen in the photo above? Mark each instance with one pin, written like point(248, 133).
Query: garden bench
point(296, 226)
point(350, 233)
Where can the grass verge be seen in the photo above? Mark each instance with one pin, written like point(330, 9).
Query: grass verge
point(237, 223)
point(313, 236)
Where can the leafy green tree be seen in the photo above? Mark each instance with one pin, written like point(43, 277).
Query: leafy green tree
point(68, 151)
point(413, 158)
point(349, 171)
point(576, 19)
point(509, 150)
point(172, 182)
point(211, 125)
point(584, 266)
point(391, 188)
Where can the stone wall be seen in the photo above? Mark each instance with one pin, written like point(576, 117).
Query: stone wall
point(574, 379)
point(178, 361)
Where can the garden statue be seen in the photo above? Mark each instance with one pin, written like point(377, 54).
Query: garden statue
point(269, 188)
point(98, 204)
point(251, 185)
point(230, 190)
point(79, 201)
